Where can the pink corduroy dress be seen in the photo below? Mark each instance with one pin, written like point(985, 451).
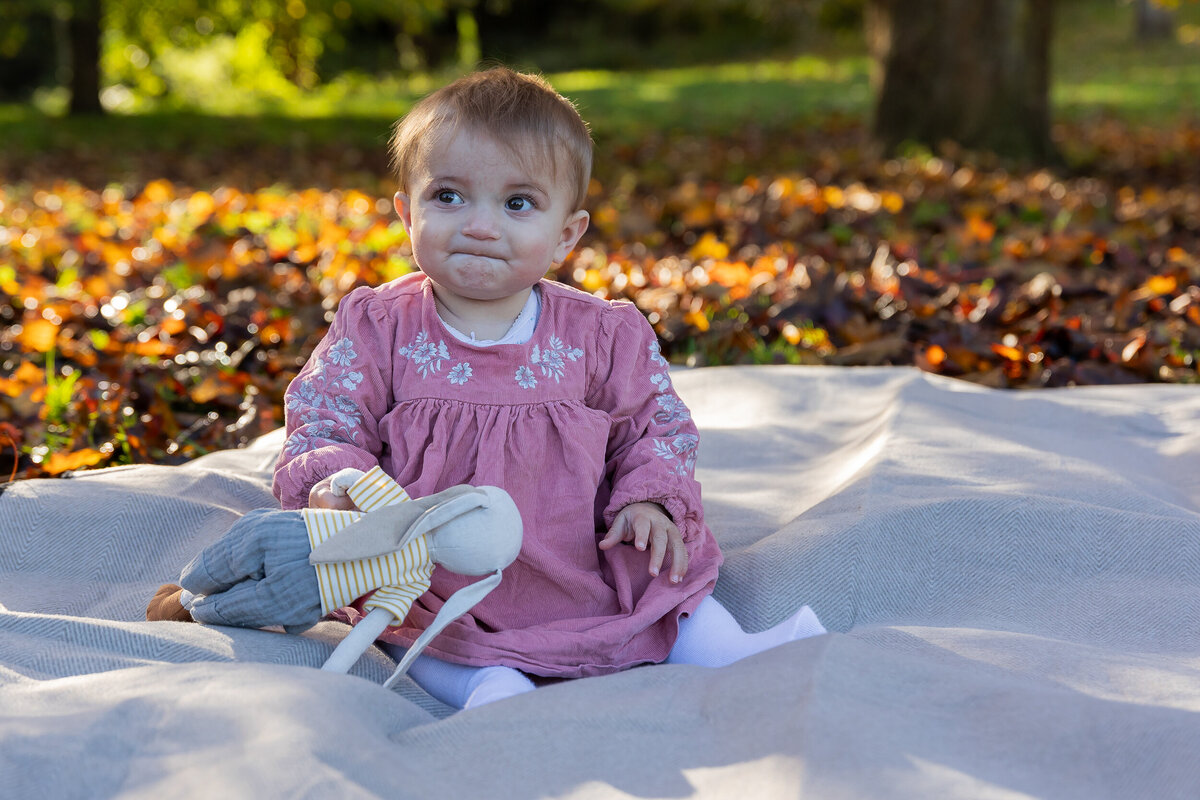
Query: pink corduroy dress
point(575, 424)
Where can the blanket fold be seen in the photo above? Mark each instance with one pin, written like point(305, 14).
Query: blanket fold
point(1012, 582)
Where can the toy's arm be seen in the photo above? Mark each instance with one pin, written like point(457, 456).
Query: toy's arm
point(259, 574)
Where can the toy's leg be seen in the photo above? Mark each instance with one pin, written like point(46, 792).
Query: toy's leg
point(361, 636)
point(711, 637)
point(461, 686)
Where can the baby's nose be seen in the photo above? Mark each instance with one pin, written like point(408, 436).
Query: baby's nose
point(481, 223)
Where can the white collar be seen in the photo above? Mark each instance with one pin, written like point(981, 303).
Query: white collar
point(520, 332)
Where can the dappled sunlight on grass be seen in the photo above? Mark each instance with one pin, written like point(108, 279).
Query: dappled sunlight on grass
point(1100, 66)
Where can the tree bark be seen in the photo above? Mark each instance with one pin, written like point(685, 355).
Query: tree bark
point(976, 72)
point(83, 43)
point(1153, 21)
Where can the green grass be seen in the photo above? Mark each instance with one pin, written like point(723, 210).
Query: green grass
point(1098, 68)
point(772, 94)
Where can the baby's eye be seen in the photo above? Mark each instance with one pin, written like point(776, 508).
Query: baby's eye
point(448, 196)
point(519, 203)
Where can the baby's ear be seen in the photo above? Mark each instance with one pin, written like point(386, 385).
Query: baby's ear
point(403, 209)
point(572, 230)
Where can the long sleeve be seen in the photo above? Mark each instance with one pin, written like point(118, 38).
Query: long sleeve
point(652, 444)
point(333, 407)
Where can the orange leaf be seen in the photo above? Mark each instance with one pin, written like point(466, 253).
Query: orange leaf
point(593, 280)
point(729, 274)
point(935, 355)
point(1010, 353)
point(39, 336)
point(173, 326)
point(209, 389)
point(27, 375)
point(61, 462)
point(980, 229)
point(709, 246)
point(201, 205)
point(893, 203)
point(153, 348)
point(159, 191)
point(1161, 284)
point(697, 320)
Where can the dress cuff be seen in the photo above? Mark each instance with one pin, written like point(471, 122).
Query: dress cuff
point(689, 530)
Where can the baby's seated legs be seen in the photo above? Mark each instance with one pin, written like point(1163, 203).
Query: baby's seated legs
point(711, 637)
point(461, 686)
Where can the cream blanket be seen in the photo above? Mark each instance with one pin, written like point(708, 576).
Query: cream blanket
point(1012, 582)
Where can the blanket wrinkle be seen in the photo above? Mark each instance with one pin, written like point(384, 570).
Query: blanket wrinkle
point(1012, 580)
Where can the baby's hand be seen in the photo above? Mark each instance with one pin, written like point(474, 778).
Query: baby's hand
point(330, 494)
point(648, 523)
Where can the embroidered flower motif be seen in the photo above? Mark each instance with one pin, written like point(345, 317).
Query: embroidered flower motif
point(525, 378)
point(427, 355)
point(319, 401)
point(672, 410)
point(656, 354)
point(342, 353)
point(304, 439)
point(553, 358)
point(680, 450)
point(460, 373)
point(661, 381)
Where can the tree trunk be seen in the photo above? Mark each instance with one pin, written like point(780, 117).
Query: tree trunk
point(976, 72)
point(83, 43)
point(1153, 21)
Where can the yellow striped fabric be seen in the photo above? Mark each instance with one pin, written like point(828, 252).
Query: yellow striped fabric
point(376, 489)
point(401, 577)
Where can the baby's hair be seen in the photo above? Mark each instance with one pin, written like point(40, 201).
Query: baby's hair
point(519, 111)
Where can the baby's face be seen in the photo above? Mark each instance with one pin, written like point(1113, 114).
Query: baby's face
point(482, 225)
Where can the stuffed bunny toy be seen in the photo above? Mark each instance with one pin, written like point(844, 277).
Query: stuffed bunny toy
point(291, 568)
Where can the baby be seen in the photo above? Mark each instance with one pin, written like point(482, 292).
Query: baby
point(478, 370)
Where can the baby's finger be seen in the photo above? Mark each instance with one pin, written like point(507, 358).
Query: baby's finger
point(679, 558)
point(619, 532)
point(658, 550)
point(641, 532)
point(611, 539)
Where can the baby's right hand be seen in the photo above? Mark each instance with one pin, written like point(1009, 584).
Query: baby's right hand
point(325, 495)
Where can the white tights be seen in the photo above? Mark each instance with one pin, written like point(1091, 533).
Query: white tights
point(709, 637)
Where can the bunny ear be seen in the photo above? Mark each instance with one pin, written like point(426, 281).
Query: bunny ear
point(455, 606)
point(388, 529)
point(375, 533)
point(443, 512)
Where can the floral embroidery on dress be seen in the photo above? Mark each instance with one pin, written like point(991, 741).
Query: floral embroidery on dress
point(661, 381)
point(320, 402)
point(427, 355)
point(460, 373)
point(525, 378)
point(342, 353)
point(656, 354)
point(672, 410)
point(681, 450)
point(553, 358)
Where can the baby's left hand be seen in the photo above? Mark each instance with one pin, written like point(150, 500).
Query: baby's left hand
point(648, 523)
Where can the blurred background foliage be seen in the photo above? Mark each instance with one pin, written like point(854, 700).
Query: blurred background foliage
point(175, 234)
point(237, 55)
point(632, 64)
